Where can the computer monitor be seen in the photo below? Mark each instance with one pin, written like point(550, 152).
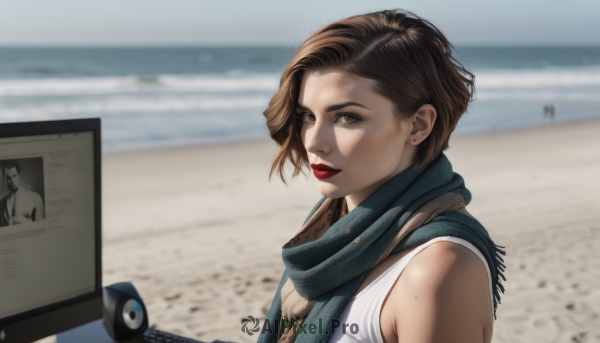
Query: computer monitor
point(50, 227)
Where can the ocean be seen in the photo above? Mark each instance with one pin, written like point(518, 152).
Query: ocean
point(168, 96)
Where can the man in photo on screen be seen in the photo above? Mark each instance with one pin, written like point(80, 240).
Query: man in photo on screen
point(20, 205)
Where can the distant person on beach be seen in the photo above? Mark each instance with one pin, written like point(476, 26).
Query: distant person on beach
point(20, 205)
point(389, 253)
point(549, 112)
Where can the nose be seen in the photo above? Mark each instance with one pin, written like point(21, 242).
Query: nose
point(318, 138)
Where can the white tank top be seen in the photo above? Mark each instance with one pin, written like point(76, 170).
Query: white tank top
point(365, 307)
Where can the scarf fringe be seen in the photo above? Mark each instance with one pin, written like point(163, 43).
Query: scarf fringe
point(500, 268)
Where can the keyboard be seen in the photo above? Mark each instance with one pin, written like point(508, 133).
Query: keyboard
point(153, 335)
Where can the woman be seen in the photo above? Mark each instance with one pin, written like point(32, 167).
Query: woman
point(389, 254)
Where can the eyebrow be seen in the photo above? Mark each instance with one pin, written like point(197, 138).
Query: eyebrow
point(331, 108)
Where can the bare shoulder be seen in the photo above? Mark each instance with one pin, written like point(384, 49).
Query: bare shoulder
point(38, 197)
point(445, 262)
point(34, 195)
point(444, 296)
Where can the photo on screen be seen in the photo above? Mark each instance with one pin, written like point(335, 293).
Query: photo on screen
point(22, 196)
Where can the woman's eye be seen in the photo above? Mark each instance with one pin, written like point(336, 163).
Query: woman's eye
point(306, 115)
point(349, 118)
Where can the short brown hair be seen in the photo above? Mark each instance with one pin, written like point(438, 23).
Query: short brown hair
point(410, 61)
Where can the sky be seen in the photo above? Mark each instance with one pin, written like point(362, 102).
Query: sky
point(284, 22)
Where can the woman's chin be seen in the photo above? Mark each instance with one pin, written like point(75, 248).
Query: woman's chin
point(330, 191)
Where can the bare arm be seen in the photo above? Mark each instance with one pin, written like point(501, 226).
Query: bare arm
point(444, 296)
point(38, 210)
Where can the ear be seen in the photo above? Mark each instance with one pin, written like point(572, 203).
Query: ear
point(422, 124)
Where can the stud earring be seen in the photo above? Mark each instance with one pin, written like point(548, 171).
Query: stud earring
point(414, 141)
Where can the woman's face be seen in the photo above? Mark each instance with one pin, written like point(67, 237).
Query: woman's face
point(350, 128)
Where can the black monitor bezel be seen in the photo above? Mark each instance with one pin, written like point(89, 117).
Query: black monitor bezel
point(54, 318)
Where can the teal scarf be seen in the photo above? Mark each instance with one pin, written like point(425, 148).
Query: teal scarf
point(329, 269)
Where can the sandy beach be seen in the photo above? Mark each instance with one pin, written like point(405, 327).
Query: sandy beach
point(199, 230)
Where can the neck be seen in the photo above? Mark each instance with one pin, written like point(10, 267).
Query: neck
point(407, 160)
point(354, 199)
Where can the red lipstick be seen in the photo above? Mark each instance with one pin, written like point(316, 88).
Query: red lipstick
point(323, 171)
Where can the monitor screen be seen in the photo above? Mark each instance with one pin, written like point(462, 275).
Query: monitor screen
point(47, 220)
